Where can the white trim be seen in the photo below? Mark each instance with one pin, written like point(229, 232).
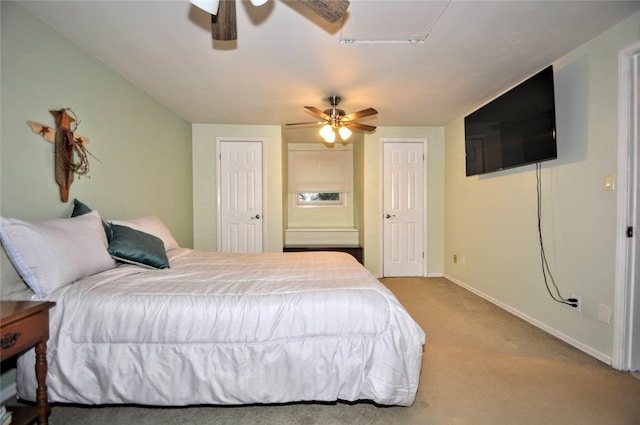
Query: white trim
point(623, 320)
point(425, 200)
point(548, 329)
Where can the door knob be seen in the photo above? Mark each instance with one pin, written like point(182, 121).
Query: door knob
point(256, 217)
point(389, 215)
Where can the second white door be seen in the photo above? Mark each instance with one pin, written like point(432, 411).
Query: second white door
point(403, 215)
point(240, 204)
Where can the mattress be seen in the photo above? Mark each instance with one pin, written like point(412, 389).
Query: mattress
point(222, 328)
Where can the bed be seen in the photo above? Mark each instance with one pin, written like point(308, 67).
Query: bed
point(216, 328)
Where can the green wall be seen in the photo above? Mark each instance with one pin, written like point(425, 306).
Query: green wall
point(143, 150)
point(491, 220)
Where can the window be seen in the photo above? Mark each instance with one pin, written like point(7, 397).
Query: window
point(319, 199)
point(319, 176)
point(314, 169)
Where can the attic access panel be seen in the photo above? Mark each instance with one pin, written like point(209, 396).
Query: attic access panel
point(391, 21)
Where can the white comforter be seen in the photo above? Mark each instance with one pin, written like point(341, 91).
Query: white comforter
point(221, 328)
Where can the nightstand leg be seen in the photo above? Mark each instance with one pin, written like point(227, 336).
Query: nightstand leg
point(42, 401)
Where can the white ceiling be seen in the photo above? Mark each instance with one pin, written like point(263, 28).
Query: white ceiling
point(286, 57)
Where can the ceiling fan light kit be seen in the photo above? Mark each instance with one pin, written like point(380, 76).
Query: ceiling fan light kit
point(345, 133)
point(336, 120)
point(210, 6)
point(328, 134)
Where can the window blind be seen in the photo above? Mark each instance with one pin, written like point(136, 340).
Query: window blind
point(319, 171)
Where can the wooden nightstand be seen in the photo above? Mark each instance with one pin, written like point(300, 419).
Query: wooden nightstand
point(23, 325)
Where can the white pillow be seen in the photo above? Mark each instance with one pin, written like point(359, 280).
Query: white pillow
point(12, 287)
point(154, 226)
point(54, 253)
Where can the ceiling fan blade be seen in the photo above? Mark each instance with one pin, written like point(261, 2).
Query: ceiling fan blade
point(360, 114)
point(317, 112)
point(300, 124)
point(223, 25)
point(329, 10)
point(358, 126)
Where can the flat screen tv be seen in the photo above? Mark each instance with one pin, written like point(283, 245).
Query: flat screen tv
point(517, 128)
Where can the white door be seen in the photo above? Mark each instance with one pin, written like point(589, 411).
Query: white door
point(626, 326)
point(634, 222)
point(240, 197)
point(403, 215)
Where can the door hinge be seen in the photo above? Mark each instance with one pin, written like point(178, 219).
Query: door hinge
point(630, 231)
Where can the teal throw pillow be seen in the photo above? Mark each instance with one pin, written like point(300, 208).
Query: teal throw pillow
point(135, 247)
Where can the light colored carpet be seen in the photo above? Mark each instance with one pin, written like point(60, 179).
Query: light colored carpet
point(482, 366)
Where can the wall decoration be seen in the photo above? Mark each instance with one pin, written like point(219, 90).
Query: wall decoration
point(71, 154)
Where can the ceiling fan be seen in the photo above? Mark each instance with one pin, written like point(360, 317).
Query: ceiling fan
point(336, 120)
point(223, 14)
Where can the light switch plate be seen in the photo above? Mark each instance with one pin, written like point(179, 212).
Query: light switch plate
point(609, 182)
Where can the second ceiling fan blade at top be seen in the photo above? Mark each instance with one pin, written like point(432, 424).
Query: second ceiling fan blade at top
point(330, 10)
point(223, 24)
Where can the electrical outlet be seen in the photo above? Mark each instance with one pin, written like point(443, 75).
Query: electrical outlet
point(455, 258)
point(578, 302)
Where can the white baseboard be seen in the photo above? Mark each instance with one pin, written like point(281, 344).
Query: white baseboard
point(8, 393)
point(560, 335)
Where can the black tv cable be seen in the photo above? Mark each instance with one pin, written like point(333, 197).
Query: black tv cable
point(573, 302)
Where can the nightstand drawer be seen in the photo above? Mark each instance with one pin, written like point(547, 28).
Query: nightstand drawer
point(23, 334)
point(23, 325)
